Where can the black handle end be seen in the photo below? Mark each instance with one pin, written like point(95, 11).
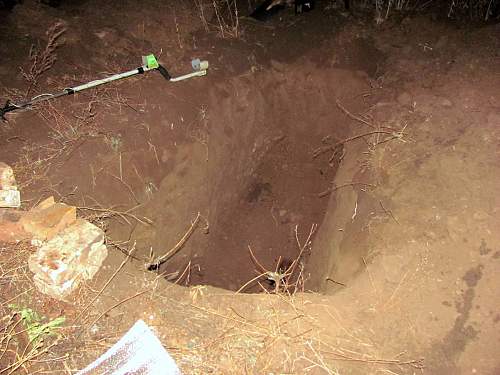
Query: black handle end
point(164, 73)
point(5, 109)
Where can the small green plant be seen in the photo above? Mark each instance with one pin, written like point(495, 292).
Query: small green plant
point(33, 322)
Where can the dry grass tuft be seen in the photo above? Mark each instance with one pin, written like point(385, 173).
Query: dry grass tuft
point(264, 334)
point(472, 9)
point(225, 14)
point(43, 59)
point(456, 9)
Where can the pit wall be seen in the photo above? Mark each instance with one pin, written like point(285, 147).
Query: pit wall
point(340, 244)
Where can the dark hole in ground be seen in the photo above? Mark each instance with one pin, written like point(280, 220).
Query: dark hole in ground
point(279, 196)
point(253, 178)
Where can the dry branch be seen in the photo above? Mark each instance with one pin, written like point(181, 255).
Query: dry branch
point(156, 263)
point(333, 188)
point(281, 277)
point(43, 60)
point(354, 117)
point(105, 213)
point(105, 286)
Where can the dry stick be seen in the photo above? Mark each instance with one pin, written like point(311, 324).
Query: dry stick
point(486, 16)
point(333, 188)
point(218, 19)
point(123, 250)
point(120, 179)
point(264, 273)
point(250, 281)
point(13, 298)
point(121, 168)
point(262, 331)
point(334, 281)
point(388, 212)
point(354, 117)
point(188, 268)
point(322, 363)
point(369, 275)
point(31, 356)
point(116, 305)
point(415, 363)
point(257, 263)
point(178, 246)
point(321, 150)
point(9, 334)
point(105, 285)
point(290, 271)
point(122, 214)
point(26, 355)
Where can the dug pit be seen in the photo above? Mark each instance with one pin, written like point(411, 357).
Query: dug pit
point(248, 167)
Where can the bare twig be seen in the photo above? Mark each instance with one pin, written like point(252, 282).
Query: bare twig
point(415, 363)
point(156, 263)
point(116, 305)
point(251, 281)
point(109, 212)
point(321, 150)
point(333, 188)
point(254, 259)
point(290, 271)
point(334, 281)
point(105, 285)
point(280, 277)
point(388, 212)
point(353, 116)
point(42, 61)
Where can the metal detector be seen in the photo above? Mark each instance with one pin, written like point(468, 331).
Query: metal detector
point(149, 63)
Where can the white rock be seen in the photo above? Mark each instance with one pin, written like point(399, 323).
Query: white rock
point(73, 255)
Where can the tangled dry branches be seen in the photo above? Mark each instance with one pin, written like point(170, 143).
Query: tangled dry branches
point(43, 60)
point(284, 278)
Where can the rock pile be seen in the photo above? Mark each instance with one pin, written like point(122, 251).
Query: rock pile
point(69, 249)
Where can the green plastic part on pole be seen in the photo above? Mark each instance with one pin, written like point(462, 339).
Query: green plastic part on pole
point(151, 62)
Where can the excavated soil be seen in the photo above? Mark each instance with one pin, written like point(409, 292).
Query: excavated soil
point(386, 137)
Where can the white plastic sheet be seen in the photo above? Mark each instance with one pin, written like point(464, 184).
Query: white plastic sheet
point(138, 352)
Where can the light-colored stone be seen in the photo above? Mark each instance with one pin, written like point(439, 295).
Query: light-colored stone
point(10, 198)
point(75, 254)
point(9, 195)
point(48, 218)
point(11, 231)
point(7, 180)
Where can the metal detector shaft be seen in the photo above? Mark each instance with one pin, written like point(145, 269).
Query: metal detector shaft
point(112, 78)
point(9, 107)
point(150, 63)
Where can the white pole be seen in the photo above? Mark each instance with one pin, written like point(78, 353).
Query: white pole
point(112, 78)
